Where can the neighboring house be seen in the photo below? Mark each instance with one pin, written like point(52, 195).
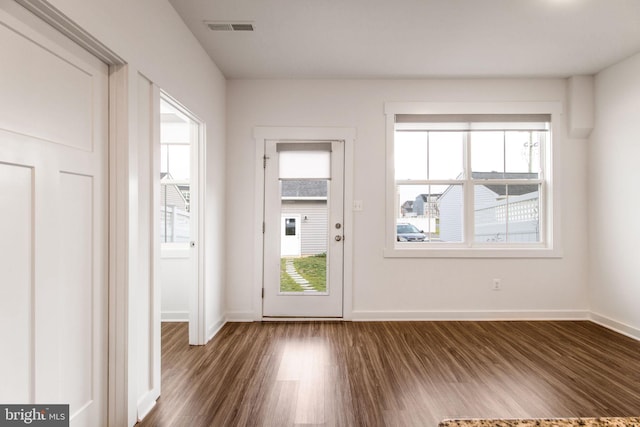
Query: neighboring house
point(185, 189)
point(308, 199)
point(423, 212)
point(490, 204)
point(406, 209)
point(426, 205)
point(174, 211)
point(173, 194)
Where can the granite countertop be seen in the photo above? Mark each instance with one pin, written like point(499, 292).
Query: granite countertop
point(550, 422)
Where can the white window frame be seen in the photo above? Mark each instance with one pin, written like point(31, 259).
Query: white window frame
point(550, 206)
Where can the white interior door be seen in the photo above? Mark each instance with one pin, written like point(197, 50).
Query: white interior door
point(303, 233)
point(53, 220)
point(181, 263)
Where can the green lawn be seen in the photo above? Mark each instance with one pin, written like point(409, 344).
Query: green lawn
point(312, 268)
point(286, 282)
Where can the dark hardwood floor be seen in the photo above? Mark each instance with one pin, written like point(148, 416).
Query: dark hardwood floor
point(394, 373)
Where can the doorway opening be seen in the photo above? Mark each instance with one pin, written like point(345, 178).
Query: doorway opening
point(336, 144)
point(180, 214)
point(303, 238)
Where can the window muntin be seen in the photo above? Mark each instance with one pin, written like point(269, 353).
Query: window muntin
point(489, 174)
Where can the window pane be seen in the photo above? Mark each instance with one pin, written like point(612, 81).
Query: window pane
point(175, 161)
point(487, 155)
point(410, 155)
point(445, 155)
point(450, 207)
point(523, 214)
point(507, 213)
point(522, 154)
point(304, 236)
point(174, 213)
point(175, 171)
point(429, 213)
point(490, 225)
point(487, 160)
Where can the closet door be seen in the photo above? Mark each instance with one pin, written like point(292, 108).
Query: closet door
point(53, 219)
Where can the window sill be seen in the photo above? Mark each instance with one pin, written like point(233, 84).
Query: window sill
point(472, 253)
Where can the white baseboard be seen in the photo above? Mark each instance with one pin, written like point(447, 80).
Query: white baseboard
point(363, 316)
point(213, 329)
point(616, 326)
point(470, 315)
point(174, 316)
point(240, 316)
point(146, 404)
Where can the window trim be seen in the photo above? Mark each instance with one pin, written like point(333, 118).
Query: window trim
point(551, 248)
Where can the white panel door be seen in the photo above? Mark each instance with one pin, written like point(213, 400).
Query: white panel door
point(301, 176)
point(53, 219)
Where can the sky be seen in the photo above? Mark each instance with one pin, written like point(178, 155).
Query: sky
point(440, 156)
point(175, 141)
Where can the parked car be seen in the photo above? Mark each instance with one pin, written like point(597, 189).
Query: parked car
point(409, 233)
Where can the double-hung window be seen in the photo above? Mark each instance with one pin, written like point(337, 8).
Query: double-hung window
point(469, 184)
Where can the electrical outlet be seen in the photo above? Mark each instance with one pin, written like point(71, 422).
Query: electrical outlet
point(497, 285)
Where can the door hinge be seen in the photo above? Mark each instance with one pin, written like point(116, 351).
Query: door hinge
point(264, 161)
point(264, 226)
point(263, 293)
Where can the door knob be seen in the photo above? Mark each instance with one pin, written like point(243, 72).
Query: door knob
point(338, 238)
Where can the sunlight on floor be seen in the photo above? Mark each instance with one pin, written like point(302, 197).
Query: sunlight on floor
point(305, 362)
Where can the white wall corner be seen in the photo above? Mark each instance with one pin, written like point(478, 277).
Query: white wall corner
point(616, 326)
point(214, 328)
point(581, 106)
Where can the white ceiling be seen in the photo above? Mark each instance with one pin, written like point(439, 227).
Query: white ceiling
point(415, 38)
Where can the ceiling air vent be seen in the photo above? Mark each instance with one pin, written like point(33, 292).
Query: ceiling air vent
point(229, 26)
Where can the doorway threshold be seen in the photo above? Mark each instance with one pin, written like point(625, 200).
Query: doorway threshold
point(301, 319)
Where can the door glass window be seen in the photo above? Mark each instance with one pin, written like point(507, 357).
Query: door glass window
point(304, 206)
point(175, 175)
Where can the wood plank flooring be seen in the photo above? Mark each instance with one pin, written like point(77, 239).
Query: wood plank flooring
point(394, 373)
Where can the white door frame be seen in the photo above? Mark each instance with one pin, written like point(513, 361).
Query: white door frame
point(261, 134)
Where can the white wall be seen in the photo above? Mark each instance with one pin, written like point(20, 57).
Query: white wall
point(150, 36)
point(614, 273)
point(405, 288)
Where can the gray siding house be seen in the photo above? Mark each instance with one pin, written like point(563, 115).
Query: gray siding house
point(309, 200)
